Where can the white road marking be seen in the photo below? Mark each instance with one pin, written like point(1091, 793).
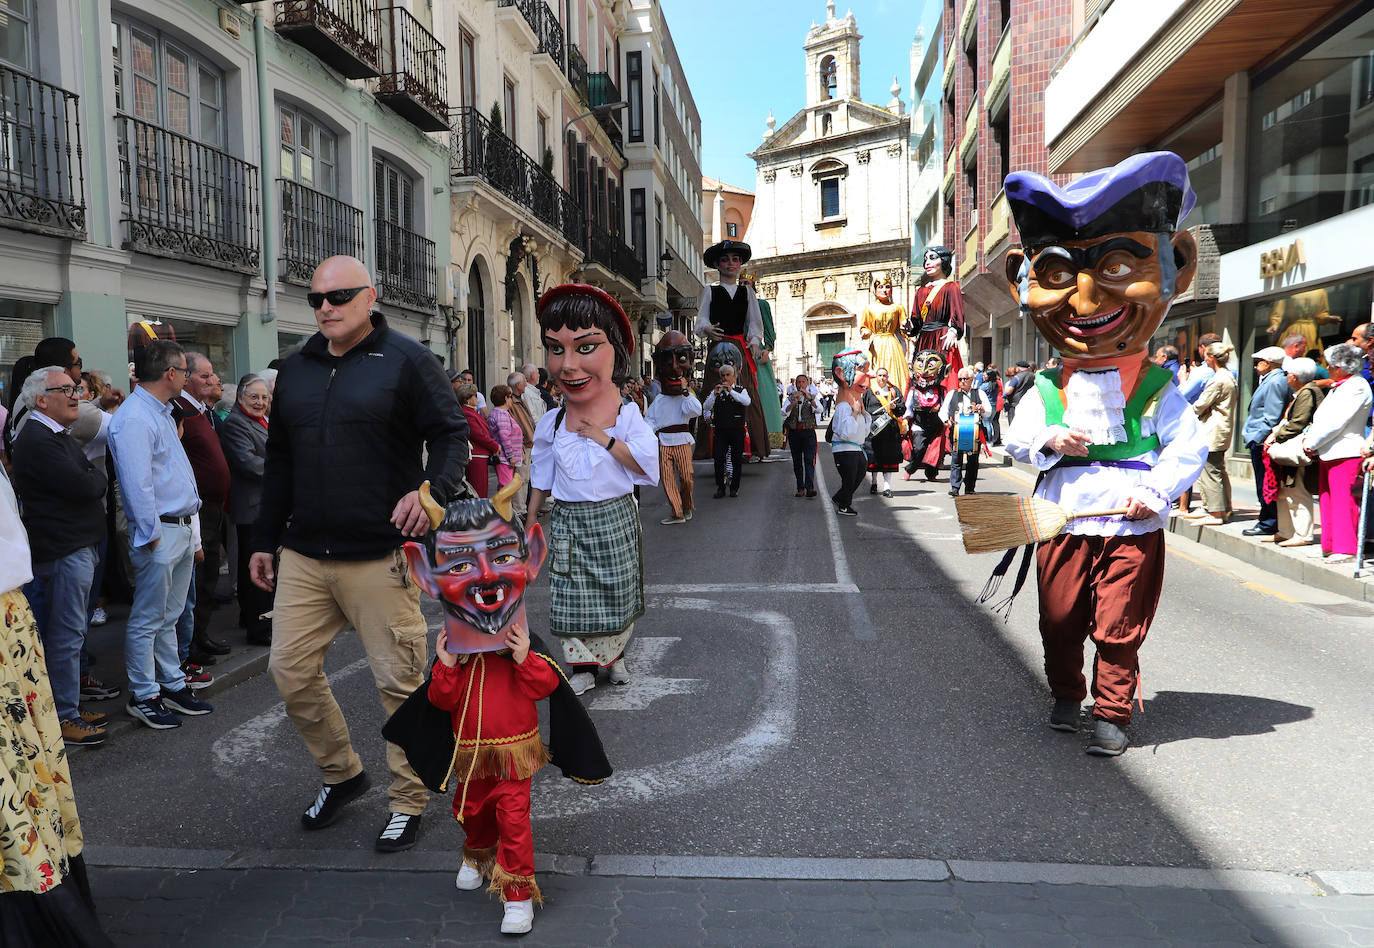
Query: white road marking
point(861, 623)
point(697, 589)
point(255, 742)
point(645, 655)
point(771, 724)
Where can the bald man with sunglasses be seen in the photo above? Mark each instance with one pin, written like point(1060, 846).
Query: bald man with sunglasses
point(361, 416)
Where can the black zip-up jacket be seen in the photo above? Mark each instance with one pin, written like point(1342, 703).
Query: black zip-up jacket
point(344, 444)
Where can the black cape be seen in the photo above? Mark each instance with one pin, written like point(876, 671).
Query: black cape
point(425, 733)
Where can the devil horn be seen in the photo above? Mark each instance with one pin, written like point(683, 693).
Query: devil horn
point(435, 512)
point(502, 500)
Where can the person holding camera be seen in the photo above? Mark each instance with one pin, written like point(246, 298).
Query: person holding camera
point(725, 408)
point(799, 421)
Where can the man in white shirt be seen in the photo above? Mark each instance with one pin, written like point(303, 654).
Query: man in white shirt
point(725, 408)
point(670, 416)
point(529, 394)
point(963, 465)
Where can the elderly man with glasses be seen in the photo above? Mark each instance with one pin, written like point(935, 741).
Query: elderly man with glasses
point(361, 416)
point(161, 504)
point(64, 513)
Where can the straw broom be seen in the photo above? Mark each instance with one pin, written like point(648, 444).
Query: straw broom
point(1001, 522)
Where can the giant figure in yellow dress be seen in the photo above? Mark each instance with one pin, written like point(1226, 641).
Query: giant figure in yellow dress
point(881, 325)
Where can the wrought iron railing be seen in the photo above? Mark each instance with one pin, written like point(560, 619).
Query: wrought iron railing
point(577, 72)
point(550, 33)
point(610, 251)
point(481, 150)
point(42, 187)
point(352, 24)
point(184, 199)
point(602, 91)
point(315, 226)
point(416, 67)
point(405, 267)
point(526, 8)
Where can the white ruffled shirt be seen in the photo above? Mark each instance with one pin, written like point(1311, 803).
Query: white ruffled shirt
point(1174, 467)
point(668, 410)
point(574, 468)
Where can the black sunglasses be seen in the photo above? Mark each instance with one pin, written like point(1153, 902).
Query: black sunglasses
point(335, 297)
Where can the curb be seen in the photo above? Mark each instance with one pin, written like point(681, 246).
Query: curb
point(1312, 883)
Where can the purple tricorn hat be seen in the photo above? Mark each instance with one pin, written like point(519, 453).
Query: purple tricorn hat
point(1148, 192)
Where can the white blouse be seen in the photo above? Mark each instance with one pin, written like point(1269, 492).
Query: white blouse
point(574, 468)
point(849, 428)
point(16, 566)
point(668, 410)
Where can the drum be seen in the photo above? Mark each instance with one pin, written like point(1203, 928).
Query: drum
point(966, 432)
point(880, 421)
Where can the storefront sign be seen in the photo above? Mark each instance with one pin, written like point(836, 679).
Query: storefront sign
point(1282, 260)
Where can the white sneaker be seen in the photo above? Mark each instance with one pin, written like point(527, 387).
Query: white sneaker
point(468, 877)
point(620, 672)
point(581, 683)
point(669, 521)
point(687, 515)
point(98, 616)
point(519, 917)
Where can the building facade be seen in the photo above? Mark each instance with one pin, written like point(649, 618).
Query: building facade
point(725, 211)
point(830, 212)
point(927, 142)
point(1277, 127)
point(177, 169)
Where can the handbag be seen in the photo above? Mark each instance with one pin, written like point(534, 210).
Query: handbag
point(1289, 453)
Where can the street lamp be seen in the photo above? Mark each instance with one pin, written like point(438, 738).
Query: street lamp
point(665, 264)
point(595, 110)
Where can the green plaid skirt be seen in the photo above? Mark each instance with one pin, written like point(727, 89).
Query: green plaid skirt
point(596, 567)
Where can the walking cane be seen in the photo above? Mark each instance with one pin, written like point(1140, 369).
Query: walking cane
point(1364, 520)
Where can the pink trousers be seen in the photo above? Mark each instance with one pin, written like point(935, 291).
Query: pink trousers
point(1340, 510)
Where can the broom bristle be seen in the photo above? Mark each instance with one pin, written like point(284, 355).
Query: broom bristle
point(993, 522)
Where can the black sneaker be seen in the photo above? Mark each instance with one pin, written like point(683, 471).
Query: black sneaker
point(1064, 717)
point(400, 833)
point(184, 702)
point(153, 713)
point(93, 689)
point(1108, 739)
point(331, 800)
point(720, 492)
point(846, 511)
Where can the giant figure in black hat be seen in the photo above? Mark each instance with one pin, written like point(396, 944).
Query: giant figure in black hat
point(1101, 261)
point(729, 311)
point(937, 313)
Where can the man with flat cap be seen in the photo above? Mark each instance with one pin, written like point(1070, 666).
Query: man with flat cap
point(1102, 261)
point(730, 310)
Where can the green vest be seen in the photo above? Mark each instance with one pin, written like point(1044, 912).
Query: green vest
point(1148, 388)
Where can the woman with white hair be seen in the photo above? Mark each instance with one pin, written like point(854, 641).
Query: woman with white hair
point(1297, 484)
point(1336, 437)
point(1216, 408)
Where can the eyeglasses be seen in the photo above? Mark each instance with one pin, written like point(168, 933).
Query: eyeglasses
point(76, 363)
point(68, 390)
point(335, 297)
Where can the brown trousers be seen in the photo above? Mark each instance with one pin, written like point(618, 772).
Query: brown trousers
point(315, 601)
point(675, 474)
point(1106, 588)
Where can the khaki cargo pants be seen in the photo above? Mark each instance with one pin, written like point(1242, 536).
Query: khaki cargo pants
point(315, 601)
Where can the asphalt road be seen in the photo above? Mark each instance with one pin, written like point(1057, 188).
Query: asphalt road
point(791, 703)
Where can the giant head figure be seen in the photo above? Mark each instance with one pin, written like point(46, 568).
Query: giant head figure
point(477, 561)
point(673, 363)
point(928, 368)
point(726, 352)
point(1102, 258)
point(850, 368)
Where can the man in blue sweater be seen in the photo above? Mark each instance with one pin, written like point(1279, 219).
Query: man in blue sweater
point(1266, 408)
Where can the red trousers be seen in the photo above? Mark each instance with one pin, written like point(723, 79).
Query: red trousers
point(1106, 588)
point(496, 815)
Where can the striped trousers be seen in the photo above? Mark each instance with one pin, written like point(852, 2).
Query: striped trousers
point(675, 474)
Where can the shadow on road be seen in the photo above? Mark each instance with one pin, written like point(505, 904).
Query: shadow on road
point(1190, 715)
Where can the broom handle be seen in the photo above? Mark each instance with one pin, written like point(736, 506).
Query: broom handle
point(1097, 513)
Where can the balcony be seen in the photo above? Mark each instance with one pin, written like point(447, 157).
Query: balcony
point(968, 24)
point(550, 56)
point(345, 35)
point(315, 226)
point(42, 187)
point(186, 200)
point(999, 224)
point(998, 95)
point(970, 261)
point(416, 85)
point(610, 253)
point(405, 268)
point(577, 72)
point(516, 19)
point(947, 80)
point(478, 149)
point(602, 91)
point(951, 166)
point(968, 152)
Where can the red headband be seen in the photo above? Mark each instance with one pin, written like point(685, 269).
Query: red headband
point(596, 293)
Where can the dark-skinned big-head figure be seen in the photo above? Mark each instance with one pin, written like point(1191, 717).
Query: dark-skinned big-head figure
point(673, 363)
point(929, 435)
point(1102, 259)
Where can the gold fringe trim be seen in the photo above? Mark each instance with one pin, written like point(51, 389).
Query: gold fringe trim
point(522, 757)
point(500, 878)
point(481, 859)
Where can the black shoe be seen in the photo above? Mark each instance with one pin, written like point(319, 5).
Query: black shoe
point(213, 646)
point(734, 492)
point(846, 511)
point(1064, 717)
point(1108, 739)
point(954, 493)
point(201, 657)
point(811, 493)
point(400, 833)
point(259, 635)
point(331, 800)
point(1257, 531)
point(969, 490)
point(888, 492)
point(931, 473)
point(873, 488)
point(185, 702)
point(720, 492)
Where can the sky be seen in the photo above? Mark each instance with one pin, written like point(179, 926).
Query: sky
point(743, 58)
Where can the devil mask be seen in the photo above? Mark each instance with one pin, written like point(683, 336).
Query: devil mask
point(477, 563)
point(928, 368)
point(673, 363)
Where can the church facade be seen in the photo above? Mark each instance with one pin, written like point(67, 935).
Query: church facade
point(831, 206)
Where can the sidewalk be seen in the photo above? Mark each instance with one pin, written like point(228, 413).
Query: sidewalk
point(222, 908)
point(1295, 563)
